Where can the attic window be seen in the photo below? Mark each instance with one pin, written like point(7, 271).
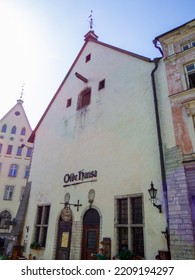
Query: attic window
point(69, 102)
point(17, 113)
point(101, 84)
point(88, 57)
point(84, 99)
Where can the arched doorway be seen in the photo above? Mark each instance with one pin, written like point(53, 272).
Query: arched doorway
point(91, 232)
point(64, 234)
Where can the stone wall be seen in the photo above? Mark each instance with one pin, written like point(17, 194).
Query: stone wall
point(76, 241)
point(182, 242)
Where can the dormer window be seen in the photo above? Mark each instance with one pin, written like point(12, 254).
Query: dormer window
point(190, 75)
point(84, 99)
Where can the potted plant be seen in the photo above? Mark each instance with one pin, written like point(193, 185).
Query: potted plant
point(126, 254)
point(35, 245)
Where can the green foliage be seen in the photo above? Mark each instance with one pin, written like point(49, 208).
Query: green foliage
point(126, 254)
point(35, 245)
point(4, 258)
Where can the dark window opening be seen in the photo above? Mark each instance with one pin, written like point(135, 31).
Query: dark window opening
point(136, 205)
point(41, 226)
point(4, 128)
point(84, 99)
point(13, 131)
point(130, 227)
point(88, 57)
point(190, 69)
point(101, 84)
point(191, 78)
point(9, 149)
point(19, 151)
point(5, 218)
point(69, 102)
point(122, 211)
point(23, 131)
point(29, 152)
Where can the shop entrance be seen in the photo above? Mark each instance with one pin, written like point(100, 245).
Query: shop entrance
point(64, 234)
point(91, 229)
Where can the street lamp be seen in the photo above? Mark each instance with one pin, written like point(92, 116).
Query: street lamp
point(153, 192)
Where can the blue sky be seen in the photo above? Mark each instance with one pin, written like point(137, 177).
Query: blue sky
point(41, 38)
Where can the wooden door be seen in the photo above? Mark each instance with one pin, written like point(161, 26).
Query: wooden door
point(91, 228)
point(64, 235)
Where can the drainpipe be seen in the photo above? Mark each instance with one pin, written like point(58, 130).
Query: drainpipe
point(162, 163)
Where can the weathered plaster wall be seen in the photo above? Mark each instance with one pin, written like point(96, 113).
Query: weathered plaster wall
point(115, 135)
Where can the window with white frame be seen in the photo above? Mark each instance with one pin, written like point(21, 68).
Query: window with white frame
point(190, 75)
point(130, 224)
point(41, 224)
point(188, 45)
point(13, 170)
point(8, 194)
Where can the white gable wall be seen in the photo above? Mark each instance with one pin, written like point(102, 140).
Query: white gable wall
point(115, 135)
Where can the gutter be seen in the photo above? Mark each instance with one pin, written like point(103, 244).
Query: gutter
point(160, 145)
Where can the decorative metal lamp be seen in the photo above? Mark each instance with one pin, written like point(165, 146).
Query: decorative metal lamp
point(153, 192)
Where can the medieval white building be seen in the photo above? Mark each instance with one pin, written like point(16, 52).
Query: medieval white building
point(113, 131)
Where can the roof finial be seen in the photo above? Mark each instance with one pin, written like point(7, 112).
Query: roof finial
point(22, 91)
point(91, 21)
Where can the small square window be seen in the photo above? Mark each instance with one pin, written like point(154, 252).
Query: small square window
point(101, 84)
point(88, 57)
point(69, 102)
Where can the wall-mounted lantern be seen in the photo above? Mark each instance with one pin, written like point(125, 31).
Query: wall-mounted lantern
point(153, 192)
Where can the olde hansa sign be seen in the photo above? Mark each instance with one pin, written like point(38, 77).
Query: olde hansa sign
point(80, 177)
